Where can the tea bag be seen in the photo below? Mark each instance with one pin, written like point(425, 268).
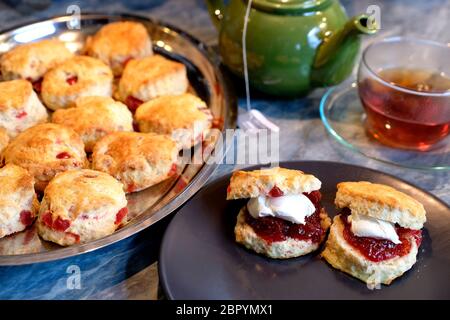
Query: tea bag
point(253, 119)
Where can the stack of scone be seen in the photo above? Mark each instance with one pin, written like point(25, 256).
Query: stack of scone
point(283, 217)
point(376, 236)
point(57, 112)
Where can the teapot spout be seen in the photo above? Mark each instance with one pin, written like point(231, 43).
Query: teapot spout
point(336, 54)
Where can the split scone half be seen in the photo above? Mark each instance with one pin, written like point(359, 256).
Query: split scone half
point(186, 118)
point(283, 217)
point(377, 235)
point(118, 42)
point(20, 107)
point(138, 160)
point(81, 205)
point(151, 77)
point(18, 201)
point(32, 60)
point(94, 117)
point(80, 76)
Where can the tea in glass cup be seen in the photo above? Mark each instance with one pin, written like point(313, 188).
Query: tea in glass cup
point(404, 86)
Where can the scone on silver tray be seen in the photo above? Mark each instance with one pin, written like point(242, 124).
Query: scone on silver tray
point(32, 60)
point(18, 202)
point(376, 236)
point(79, 76)
point(151, 77)
point(118, 42)
point(186, 118)
point(138, 160)
point(94, 117)
point(283, 217)
point(80, 206)
point(20, 107)
point(45, 150)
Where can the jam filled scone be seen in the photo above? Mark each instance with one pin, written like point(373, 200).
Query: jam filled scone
point(283, 217)
point(94, 117)
point(138, 160)
point(32, 60)
point(20, 107)
point(186, 118)
point(79, 76)
point(18, 201)
point(118, 42)
point(376, 236)
point(147, 78)
point(45, 150)
point(81, 205)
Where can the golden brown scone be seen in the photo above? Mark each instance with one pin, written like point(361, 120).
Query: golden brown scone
point(343, 256)
point(138, 160)
point(186, 118)
point(81, 205)
point(32, 60)
point(289, 248)
point(381, 202)
point(150, 77)
point(45, 150)
point(20, 107)
point(79, 76)
point(4, 139)
point(118, 42)
point(94, 117)
point(18, 201)
point(251, 184)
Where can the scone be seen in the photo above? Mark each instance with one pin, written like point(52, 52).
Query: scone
point(138, 160)
point(45, 150)
point(4, 139)
point(32, 60)
point(118, 42)
point(81, 205)
point(186, 118)
point(376, 236)
point(283, 217)
point(147, 78)
point(18, 201)
point(79, 76)
point(20, 107)
point(94, 117)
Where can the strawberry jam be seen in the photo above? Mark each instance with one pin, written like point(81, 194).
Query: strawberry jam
point(37, 85)
point(26, 218)
point(377, 250)
point(275, 192)
point(63, 155)
point(121, 215)
point(58, 224)
point(72, 80)
point(133, 103)
point(21, 114)
point(274, 229)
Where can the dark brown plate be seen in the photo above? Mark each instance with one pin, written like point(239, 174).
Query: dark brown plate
point(200, 260)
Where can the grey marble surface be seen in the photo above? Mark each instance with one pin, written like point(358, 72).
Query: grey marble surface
point(127, 270)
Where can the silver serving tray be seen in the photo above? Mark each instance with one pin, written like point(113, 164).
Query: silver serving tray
point(148, 206)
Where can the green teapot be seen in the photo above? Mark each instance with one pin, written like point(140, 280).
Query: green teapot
point(292, 46)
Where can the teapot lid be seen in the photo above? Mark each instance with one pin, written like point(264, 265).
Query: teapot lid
point(287, 6)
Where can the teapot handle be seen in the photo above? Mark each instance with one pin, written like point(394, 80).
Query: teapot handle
point(216, 8)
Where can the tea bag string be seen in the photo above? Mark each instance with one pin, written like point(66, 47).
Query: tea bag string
point(244, 54)
point(253, 119)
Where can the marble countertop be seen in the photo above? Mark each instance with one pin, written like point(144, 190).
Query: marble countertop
point(127, 270)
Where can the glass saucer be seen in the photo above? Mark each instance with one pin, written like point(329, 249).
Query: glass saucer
point(343, 116)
